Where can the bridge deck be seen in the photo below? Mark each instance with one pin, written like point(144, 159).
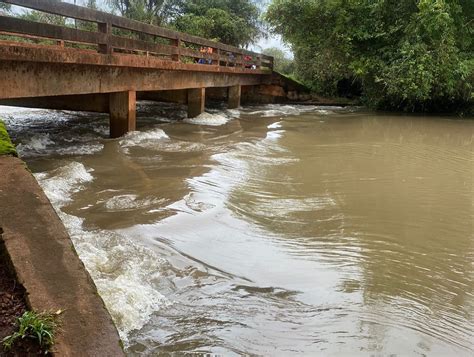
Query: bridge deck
point(103, 62)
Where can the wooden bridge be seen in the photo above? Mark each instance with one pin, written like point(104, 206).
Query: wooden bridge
point(101, 62)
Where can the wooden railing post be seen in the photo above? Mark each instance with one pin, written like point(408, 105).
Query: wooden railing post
point(106, 28)
point(177, 56)
point(217, 62)
point(259, 62)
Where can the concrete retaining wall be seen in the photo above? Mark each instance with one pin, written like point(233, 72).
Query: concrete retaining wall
point(46, 264)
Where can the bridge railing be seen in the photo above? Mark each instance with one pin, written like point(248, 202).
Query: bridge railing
point(115, 34)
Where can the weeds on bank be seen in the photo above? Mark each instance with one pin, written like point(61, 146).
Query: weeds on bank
point(37, 326)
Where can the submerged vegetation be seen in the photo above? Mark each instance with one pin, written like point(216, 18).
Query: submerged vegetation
point(412, 55)
point(34, 326)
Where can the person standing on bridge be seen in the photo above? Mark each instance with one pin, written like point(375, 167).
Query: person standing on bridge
point(210, 50)
point(231, 59)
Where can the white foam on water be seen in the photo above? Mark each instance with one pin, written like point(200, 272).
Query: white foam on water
point(82, 149)
point(131, 202)
point(211, 119)
point(233, 113)
point(35, 145)
point(275, 110)
point(103, 130)
point(156, 139)
point(42, 148)
point(5, 109)
point(143, 138)
point(274, 135)
point(276, 125)
point(126, 274)
point(324, 112)
point(60, 184)
point(42, 144)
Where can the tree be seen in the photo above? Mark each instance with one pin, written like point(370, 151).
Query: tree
point(153, 12)
point(235, 22)
point(39, 16)
point(282, 63)
point(406, 54)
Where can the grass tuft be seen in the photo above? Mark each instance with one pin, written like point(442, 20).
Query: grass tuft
point(37, 326)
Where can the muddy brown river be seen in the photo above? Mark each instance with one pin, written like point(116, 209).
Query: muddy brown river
point(268, 231)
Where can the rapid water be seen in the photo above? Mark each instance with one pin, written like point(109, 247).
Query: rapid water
point(273, 230)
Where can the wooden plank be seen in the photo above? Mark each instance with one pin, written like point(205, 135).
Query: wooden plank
point(34, 39)
point(20, 26)
point(21, 52)
point(177, 57)
point(139, 45)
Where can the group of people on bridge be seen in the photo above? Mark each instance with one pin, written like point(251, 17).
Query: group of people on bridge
point(208, 51)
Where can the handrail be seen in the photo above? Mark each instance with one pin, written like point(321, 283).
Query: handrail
point(108, 42)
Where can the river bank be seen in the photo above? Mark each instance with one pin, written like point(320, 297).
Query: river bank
point(12, 294)
point(45, 264)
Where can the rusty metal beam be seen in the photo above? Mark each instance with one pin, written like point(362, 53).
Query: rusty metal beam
point(83, 102)
point(34, 79)
point(10, 51)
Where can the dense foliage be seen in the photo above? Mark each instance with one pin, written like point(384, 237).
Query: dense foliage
point(235, 22)
point(281, 62)
point(154, 12)
point(404, 54)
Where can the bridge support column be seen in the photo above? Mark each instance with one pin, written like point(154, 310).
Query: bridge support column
point(122, 109)
point(234, 97)
point(196, 101)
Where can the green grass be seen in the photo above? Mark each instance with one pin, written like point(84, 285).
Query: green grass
point(32, 325)
point(6, 146)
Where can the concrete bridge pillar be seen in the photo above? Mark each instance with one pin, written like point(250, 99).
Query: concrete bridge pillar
point(122, 109)
point(196, 101)
point(234, 97)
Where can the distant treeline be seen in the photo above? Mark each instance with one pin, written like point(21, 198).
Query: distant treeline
point(412, 55)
